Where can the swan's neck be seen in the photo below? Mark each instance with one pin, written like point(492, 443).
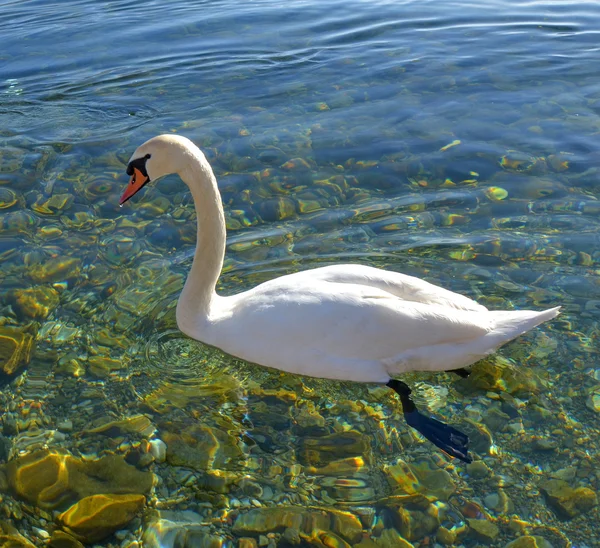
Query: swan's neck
point(199, 293)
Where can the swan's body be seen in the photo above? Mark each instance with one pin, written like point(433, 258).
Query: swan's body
point(353, 322)
point(346, 322)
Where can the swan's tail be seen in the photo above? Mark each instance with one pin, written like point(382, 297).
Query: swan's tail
point(510, 324)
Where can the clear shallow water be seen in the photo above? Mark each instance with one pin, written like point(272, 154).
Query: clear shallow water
point(454, 142)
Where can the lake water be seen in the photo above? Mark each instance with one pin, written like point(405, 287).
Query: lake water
point(454, 141)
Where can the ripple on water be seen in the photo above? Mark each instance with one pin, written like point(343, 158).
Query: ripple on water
point(185, 373)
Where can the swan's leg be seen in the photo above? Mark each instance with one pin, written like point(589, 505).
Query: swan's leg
point(462, 372)
point(448, 439)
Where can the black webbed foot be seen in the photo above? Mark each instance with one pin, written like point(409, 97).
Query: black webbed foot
point(447, 438)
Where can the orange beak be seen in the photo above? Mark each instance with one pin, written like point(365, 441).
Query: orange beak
point(138, 180)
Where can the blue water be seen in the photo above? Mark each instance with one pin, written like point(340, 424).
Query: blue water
point(450, 140)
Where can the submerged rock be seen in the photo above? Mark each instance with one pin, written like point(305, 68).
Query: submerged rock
point(15, 349)
point(137, 424)
point(527, 541)
point(200, 447)
point(260, 521)
point(483, 530)
point(566, 501)
point(95, 517)
point(168, 529)
point(390, 538)
point(322, 450)
point(54, 480)
point(59, 269)
point(60, 539)
point(35, 303)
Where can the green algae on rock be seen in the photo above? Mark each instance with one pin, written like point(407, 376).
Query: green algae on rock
point(59, 269)
point(53, 480)
point(95, 517)
point(60, 539)
point(529, 541)
point(483, 530)
point(35, 303)
point(306, 520)
point(15, 349)
point(184, 529)
point(137, 424)
point(566, 501)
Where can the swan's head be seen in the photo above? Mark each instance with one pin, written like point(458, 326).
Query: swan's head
point(160, 156)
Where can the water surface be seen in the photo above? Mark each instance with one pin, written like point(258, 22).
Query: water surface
point(453, 141)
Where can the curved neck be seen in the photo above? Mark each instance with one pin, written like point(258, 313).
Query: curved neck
point(199, 289)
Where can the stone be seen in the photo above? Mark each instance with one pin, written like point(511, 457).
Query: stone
point(58, 269)
point(390, 538)
point(545, 444)
point(15, 349)
point(401, 478)
point(593, 400)
point(54, 480)
point(11, 538)
point(60, 539)
point(366, 543)
point(292, 536)
point(566, 501)
point(248, 542)
point(434, 480)
point(527, 541)
point(483, 530)
point(180, 529)
point(200, 446)
point(102, 366)
point(307, 521)
point(478, 469)
point(35, 303)
point(414, 523)
point(158, 449)
point(96, 517)
point(14, 541)
point(326, 539)
point(137, 424)
point(445, 536)
point(495, 419)
point(322, 450)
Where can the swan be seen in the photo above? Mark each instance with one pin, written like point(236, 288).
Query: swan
point(344, 322)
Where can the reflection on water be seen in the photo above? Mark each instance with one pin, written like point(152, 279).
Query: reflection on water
point(451, 142)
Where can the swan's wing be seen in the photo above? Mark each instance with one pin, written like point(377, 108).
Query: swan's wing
point(407, 288)
point(306, 327)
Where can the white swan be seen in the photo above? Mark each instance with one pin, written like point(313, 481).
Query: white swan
point(346, 322)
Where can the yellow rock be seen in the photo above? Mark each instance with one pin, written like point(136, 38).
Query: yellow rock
point(53, 480)
point(94, 518)
point(496, 193)
point(60, 539)
point(15, 349)
point(483, 530)
point(14, 541)
point(58, 269)
point(102, 366)
point(445, 536)
point(402, 478)
point(138, 424)
point(247, 542)
point(10, 537)
point(310, 522)
point(35, 303)
point(390, 538)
